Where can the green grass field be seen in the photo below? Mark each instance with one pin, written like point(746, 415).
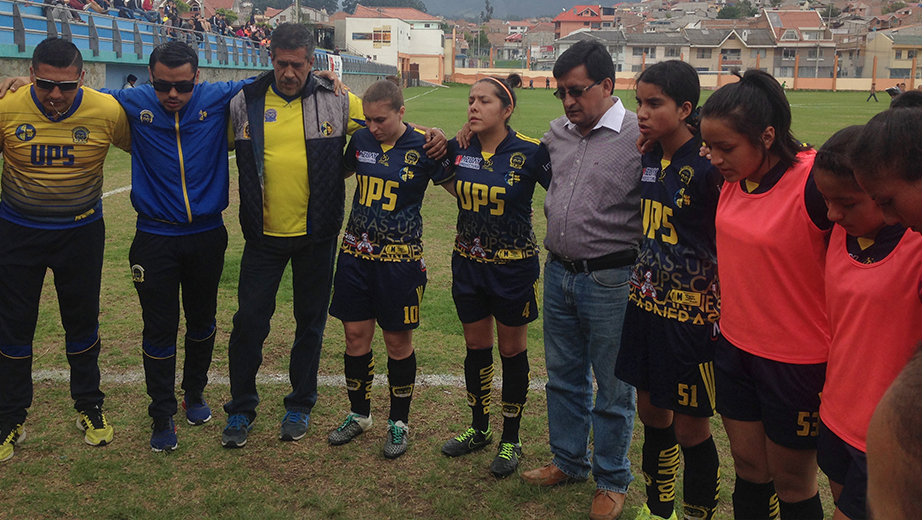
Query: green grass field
point(54, 475)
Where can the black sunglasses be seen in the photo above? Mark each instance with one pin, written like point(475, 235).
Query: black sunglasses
point(182, 87)
point(574, 92)
point(65, 86)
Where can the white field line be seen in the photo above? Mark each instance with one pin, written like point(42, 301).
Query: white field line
point(123, 189)
point(121, 378)
point(421, 95)
point(117, 191)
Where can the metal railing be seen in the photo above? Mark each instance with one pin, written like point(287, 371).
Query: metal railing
point(24, 24)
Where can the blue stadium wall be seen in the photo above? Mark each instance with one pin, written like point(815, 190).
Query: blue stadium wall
point(114, 47)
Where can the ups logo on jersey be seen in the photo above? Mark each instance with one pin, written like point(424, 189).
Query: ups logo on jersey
point(81, 135)
point(25, 132)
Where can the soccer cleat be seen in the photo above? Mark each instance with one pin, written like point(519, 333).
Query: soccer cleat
point(235, 433)
point(352, 427)
point(468, 442)
point(10, 436)
point(97, 428)
point(646, 514)
point(197, 410)
point(395, 444)
point(294, 426)
point(163, 437)
point(507, 459)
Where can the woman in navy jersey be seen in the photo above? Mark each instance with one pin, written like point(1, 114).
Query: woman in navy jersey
point(770, 360)
point(380, 273)
point(667, 344)
point(495, 265)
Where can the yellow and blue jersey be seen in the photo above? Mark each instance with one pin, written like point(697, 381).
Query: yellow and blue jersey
point(385, 222)
point(675, 275)
point(53, 168)
point(494, 196)
point(286, 184)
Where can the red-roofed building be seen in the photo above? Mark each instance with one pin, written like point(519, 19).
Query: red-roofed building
point(576, 18)
point(406, 38)
point(400, 13)
point(802, 39)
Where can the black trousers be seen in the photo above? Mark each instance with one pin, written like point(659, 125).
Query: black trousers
point(160, 266)
point(75, 257)
point(261, 269)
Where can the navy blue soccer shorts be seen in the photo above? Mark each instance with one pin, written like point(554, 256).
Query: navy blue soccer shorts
point(784, 396)
point(506, 291)
point(674, 361)
point(389, 292)
point(846, 465)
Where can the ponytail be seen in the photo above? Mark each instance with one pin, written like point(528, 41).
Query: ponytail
point(752, 105)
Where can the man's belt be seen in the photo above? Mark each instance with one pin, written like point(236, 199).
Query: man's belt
point(619, 259)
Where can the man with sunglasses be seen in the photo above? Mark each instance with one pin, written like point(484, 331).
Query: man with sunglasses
point(593, 235)
point(179, 187)
point(54, 138)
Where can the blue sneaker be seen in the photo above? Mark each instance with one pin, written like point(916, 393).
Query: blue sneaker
point(164, 436)
point(197, 410)
point(294, 426)
point(235, 433)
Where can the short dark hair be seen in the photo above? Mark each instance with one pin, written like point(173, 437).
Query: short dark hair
point(901, 415)
point(676, 79)
point(58, 53)
point(131, 77)
point(908, 99)
point(384, 90)
point(833, 155)
point(174, 55)
point(753, 104)
point(890, 142)
point(291, 36)
point(593, 55)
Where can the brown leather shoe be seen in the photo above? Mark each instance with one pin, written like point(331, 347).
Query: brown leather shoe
point(606, 505)
point(547, 476)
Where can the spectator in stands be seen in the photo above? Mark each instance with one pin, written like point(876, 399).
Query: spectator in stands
point(129, 81)
point(186, 34)
point(218, 24)
point(86, 5)
point(198, 25)
point(58, 10)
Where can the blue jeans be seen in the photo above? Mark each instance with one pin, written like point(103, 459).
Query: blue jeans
point(261, 271)
point(583, 316)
